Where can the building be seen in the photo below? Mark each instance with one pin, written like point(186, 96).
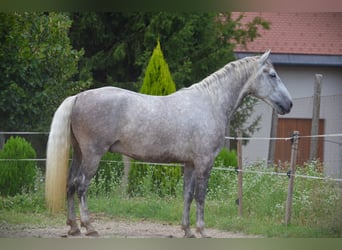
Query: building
point(302, 45)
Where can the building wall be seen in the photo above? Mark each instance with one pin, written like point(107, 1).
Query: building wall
point(300, 82)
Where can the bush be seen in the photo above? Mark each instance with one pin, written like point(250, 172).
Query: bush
point(226, 158)
point(109, 174)
point(165, 179)
point(157, 179)
point(17, 176)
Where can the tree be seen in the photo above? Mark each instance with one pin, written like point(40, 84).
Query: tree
point(112, 43)
point(39, 68)
point(197, 44)
point(239, 121)
point(157, 81)
point(118, 45)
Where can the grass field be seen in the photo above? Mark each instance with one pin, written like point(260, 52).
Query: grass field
point(316, 212)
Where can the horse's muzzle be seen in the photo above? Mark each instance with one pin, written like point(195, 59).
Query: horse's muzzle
point(284, 108)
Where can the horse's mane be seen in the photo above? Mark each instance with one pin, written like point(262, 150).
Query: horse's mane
point(230, 73)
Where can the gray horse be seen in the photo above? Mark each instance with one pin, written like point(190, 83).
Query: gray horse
point(187, 127)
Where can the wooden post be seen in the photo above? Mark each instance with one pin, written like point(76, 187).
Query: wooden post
point(240, 191)
point(272, 143)
point(127, 167)
point(227, 133)
point(340, 174)
point(315, 116)
point(292, 173)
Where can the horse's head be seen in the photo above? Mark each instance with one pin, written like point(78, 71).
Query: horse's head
point(268, 86)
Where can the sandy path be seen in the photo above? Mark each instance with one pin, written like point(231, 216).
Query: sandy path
point(110, 228)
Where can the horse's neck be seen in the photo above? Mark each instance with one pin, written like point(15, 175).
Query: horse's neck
point(229, 85)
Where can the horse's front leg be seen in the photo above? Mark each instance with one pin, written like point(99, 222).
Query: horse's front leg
point(188, 190)
point(200, 194)
point(85, 220)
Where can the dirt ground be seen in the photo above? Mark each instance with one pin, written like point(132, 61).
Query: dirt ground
point(109, 228)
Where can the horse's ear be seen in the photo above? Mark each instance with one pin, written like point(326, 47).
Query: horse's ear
point(265, 56)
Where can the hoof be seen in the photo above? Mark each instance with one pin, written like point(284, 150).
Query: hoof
point(187, 232)
point(74, 232)
point(189, 236)
point(203, 233)
point(92, 233)
point(90, 229)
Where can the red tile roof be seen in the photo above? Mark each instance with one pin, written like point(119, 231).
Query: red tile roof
point(297, 33)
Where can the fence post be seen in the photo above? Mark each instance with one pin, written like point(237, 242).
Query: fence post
point(272, 143)
point(315, 116)
point(292, 173)
point(127, 166)
point(240, 191)
point(227, 133)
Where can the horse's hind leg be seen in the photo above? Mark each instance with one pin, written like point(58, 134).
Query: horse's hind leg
point(71, 189)
point(87, 171)
point(189, 184)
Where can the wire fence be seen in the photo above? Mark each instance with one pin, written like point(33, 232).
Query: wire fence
point(221, 168)
point(282, 138)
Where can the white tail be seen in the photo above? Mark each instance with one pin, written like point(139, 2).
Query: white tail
point(57, 156)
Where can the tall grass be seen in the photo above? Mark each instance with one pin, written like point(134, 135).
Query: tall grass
point(316, 211)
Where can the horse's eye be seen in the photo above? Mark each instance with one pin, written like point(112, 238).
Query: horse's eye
point(273, 75)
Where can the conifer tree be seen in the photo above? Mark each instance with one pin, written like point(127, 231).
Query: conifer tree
point(158, 79)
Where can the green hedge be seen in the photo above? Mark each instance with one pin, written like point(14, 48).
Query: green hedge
point(226, 158)
point(17, 176)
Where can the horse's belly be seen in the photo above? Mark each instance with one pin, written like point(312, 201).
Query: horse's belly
point(152, 152)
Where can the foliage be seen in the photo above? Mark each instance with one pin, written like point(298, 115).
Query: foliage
point(112, 42)
point(226, 158)
point(240, 119)
point(157, 81)
point(17, 176)
point(195, 44)
point(108, 175)
point(38, 68)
